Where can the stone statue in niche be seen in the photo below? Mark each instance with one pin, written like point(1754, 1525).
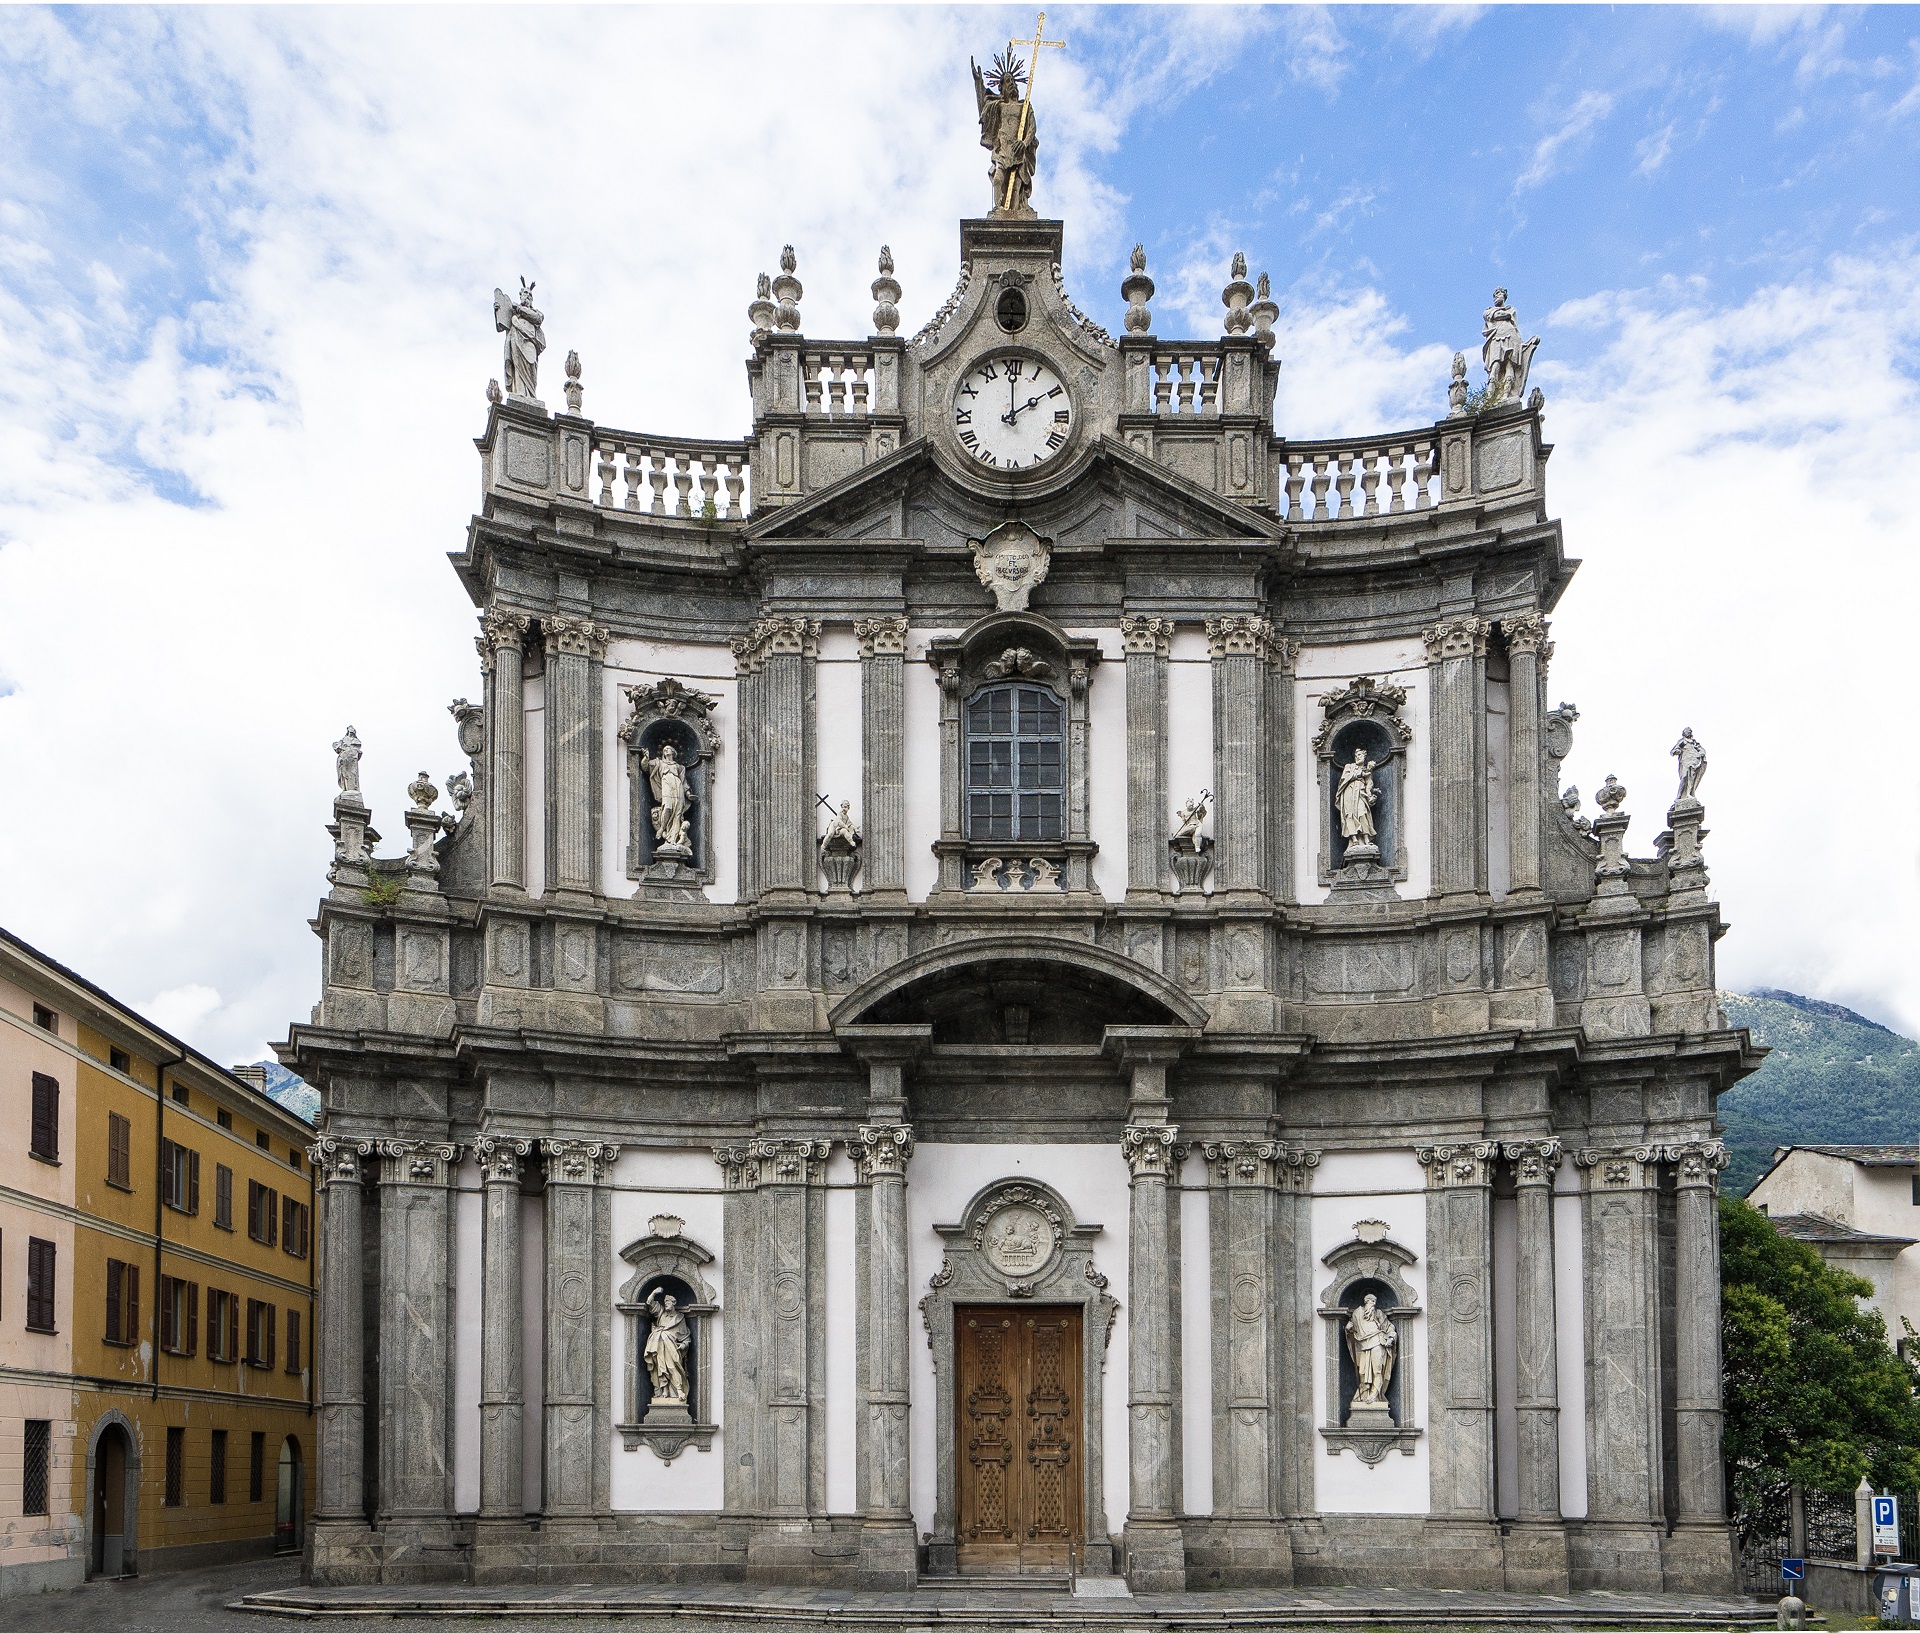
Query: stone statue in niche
point(1012, 562)
point(668, 1340)
point(346, 762)
point(1357, 796)
point(524, 327)
point(672, 800)
point(1693, 764)
point(1506, 356)
point(1370, 1342)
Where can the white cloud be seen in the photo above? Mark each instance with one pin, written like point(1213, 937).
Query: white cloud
point(1570, 136)
point(1652, 150)
point(182, 1010)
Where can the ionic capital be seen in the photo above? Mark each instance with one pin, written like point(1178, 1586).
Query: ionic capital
point(884, 1150)
point(336, 1161)
point(1261, 1162)
point(1152, 636)
point(416, 1162)
point(1149, 1149)
point(1633, 1168)
point(575, 637)
point(1534, 1161)
point(579, 1162)
point(881, 637)
point(1239, 635)
point(1698, 1163)
point(500, 1159)
point(1455, 1167)
point(1456, 638)
point(791, 1161)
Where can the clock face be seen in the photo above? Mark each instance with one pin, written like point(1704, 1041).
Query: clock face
point(1011, 412)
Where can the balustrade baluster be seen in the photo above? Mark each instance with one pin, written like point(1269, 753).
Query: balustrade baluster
point(631, 460)
point(1185, 364)
point(862, 366)
point(836, 386)
point(735, 482)
point(604, 453)
point(709, 485)
point(811, 368)
point(683, 485)
point(1320, 483)
point(1370, 481)
point(658, 477)
point(1396, 478)
point(1209, 384)
point(1343, 480)
point(1163, 384)
point(1296, 480)
point(1426, 461)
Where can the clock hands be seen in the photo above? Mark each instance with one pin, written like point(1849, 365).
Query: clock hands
point(1015, 411)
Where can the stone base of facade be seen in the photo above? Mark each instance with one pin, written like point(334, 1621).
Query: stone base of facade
point(889, 1555)
point(1238, 1554)
point(1620, 1555)
point(42, 1576)
point(1698, 1559)
point(343, 1554)
point(1156, 1556)
point(1536, 1554)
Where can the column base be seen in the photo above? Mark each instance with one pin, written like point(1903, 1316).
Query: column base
point(1156, 1556)
point(1620, 1554)
point(1464, 1554)
point(341, 1554)
point(889, 1555)
point(422, 1549)
point(505, 1549)
point(1243, 1553)
point(1699, 1558)
point(1536, 1557)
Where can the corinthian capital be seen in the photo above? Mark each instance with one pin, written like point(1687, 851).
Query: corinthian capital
point(579, 1162)
point(1698, 1163)
point(1450, 1167)
point(788, 1161)
point(336, 1161)
point(500, 1159)
point(1634, 1168)
point(1251, 1162)
point(417, 1162)
point(503, 628)
point(1148, 1149)
point(881, 637)
point(1526, 632)
point(1456, 638)
point(1239, 635)
point(884, 1150)
point(577, 637)
point(1534, 1161)
point(1148, 635)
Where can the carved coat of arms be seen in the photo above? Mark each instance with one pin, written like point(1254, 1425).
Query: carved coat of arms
point(1012, 562)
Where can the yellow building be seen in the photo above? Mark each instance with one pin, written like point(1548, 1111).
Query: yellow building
point(156, 1294)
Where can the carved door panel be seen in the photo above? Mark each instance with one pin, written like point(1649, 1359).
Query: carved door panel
point(1019, 1441)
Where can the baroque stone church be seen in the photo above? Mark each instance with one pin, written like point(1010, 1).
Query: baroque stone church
point(1010, 987)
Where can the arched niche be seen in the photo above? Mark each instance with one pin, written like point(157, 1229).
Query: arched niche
point(666, 720)
point(668, 1264)
point(1005, 672)
point(1373, 1264)
point(1365, 714)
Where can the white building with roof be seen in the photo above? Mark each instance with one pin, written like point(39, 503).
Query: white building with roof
point(1856, 1206)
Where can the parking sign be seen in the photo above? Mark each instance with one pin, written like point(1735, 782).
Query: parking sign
point(1886, 1525)
point(1793, 1570)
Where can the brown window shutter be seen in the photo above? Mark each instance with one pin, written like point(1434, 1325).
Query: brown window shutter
point(46, 1116)
point(193, 1182)
point(273, 1218)
point(193, 1318)
point(233, 1327)
point(271, 1347)
point(132, 1324)
point(166, 1313)
point(115, 1270)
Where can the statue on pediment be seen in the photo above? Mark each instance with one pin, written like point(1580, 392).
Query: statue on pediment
point(1507, 357)
point(525, 328)
point(1008, 131)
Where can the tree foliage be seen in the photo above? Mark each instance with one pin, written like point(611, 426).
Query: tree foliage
point(1814, 1391)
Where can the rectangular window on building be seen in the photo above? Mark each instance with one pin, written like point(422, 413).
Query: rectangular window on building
point(261, 1346)
point(179, 1093)
point(293, 1159)
point(223, 1196)
point(45, 1142)
point(260, 1139)
point(223, 1325)
point(257, 1468)
point(217, 1469)
point(120, 1061)
point(119, 1152)
point(263, 1212)
point(224, 1118)
point(180, 1177)
point(123, 1302)
point(40, 1283)
point(179, 1315)
point(46, 1020)
point(36, 1458)
point(293, 1227)
point(293, 1341)
point(176, 1468)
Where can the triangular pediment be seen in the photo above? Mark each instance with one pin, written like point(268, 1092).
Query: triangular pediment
point(1112, 493)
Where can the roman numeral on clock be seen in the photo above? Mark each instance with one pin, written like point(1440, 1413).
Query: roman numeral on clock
point(969, 438)
point(1063, 416)
point(963, 416)
point(1055, 439)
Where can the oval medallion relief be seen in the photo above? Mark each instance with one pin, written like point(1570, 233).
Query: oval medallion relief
point(1017, 1241)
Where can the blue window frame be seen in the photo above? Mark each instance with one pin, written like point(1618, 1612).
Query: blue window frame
point(1016, 761)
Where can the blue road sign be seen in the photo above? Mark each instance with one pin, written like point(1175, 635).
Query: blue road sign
point(1793, 1570)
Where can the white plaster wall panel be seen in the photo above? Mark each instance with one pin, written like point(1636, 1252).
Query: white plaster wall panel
point(1348, 1187)
point(1323, 670)
point(705, 668)
point(1506, 1355)
point(533, 1351)
point(840, 753)
point(467, 1210)
point(1107, 763)
point(941, 1181)
point(643, 1183)
point(843, 1292)
point(1190, 722)
point(1810, 1182)
point(1196, 1339)
point(921, 764)
point(534, 698)
point(1570, 1340)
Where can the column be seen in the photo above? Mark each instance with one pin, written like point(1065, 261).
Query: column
point(883, 735)
point(1460, 1363)
point(792, 1379)
point(1527, 652)
point(790, 644)
point(745, 1286)
point(1700, 1549)
point(501, 649)
point(953, 776)
point(1280, 796)
point(1156, 1551)
point(1246, 1265)
point(579, 1324)
point(1537, 1373)
point(340, 1492)
point(575, 647)
point(416, 1335)
point(1619, 1543)
point(502, 1474)
point(749, 774)
point(1238, 646)
point(1296, 1335)
point(1456, 654)
point(1146, 642)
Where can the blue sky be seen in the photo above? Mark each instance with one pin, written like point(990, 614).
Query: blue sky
point(246, 263)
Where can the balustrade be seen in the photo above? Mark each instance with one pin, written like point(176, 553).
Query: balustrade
point(839, 381)
point(661, 477)
point(1186, 381)
point(1322, 480)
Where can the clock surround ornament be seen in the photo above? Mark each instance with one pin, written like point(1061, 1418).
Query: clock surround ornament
point(1036, 422)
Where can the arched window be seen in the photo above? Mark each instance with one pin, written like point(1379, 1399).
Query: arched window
point(1016, 758)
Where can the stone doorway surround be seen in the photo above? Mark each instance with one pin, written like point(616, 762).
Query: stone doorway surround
point(113, 1419)
point(972, 1272)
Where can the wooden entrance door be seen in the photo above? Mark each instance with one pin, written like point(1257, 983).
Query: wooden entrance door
point(1020, 1437)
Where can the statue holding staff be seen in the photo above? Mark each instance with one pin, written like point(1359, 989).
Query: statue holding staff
point(669, 1337)
point(1370, 1342)
point(667, 781)
point(1356, 798)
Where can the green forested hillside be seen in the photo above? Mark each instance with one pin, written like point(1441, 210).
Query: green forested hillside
point(1833, 1077)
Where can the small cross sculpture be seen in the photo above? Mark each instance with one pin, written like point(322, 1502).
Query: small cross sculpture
point(1033, 72)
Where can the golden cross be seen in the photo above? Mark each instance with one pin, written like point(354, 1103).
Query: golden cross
point(1033, 71)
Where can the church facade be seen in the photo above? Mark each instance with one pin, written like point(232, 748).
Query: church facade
point(1011, 988)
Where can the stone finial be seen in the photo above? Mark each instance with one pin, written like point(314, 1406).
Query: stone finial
point(787, 293)
point(1612, 795)
point(1236, 295)
point(422, 792)
point(1457, 386)
point(1263, 312)
point(1137, 290)
point(886, 292)
point(761, 310)
point(572, 387)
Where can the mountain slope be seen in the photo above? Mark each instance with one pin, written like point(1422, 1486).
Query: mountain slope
point(295, 1093)
point(1834, 1077)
